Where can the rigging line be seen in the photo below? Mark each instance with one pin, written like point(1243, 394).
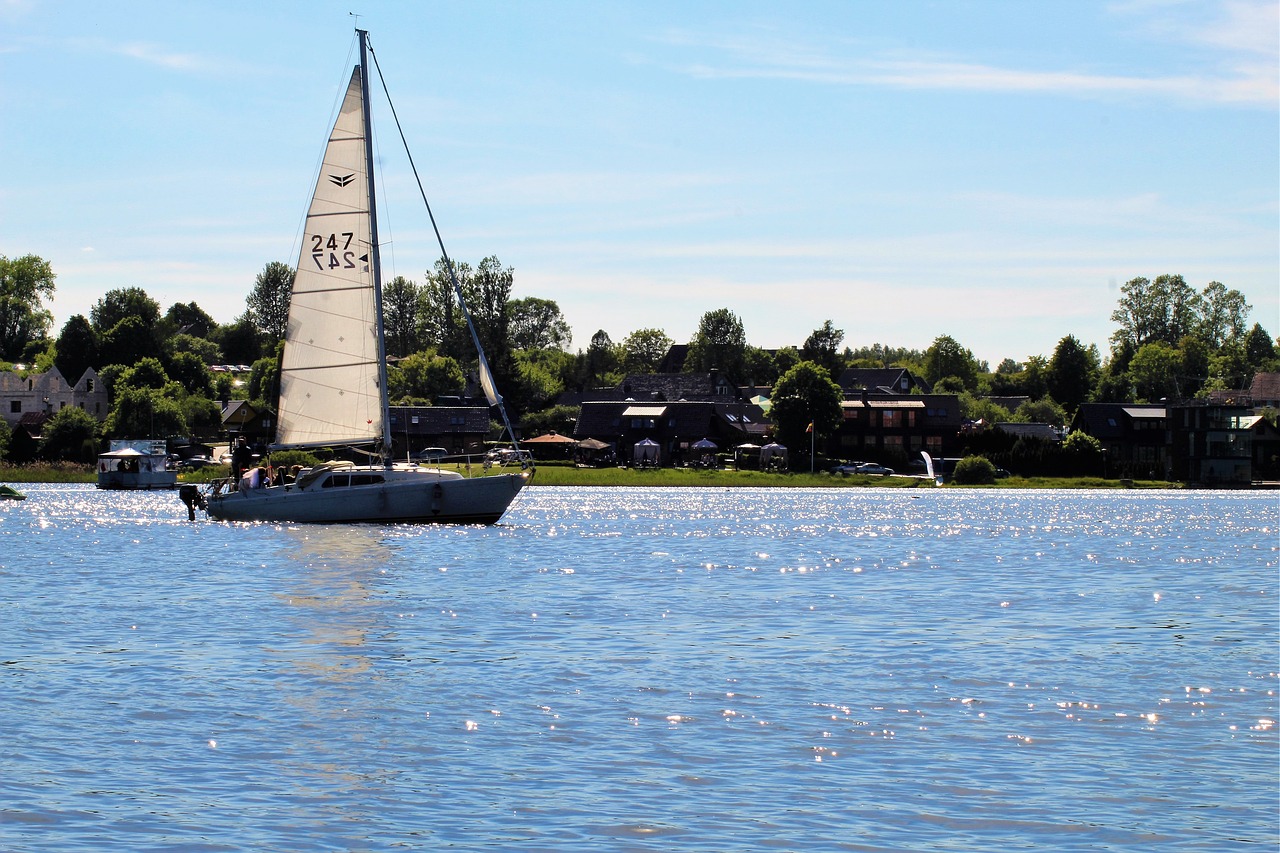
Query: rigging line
point(448, 262)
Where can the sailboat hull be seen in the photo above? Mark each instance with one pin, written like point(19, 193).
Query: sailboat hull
point(400, 496)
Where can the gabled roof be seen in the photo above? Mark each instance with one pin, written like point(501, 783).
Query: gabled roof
point(1265, 389)
point(891, 380)
point(440, 420)
point(1045, 432)
point(687, 419)
point(643, 388)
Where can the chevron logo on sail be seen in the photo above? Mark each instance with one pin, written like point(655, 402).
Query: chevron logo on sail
point(341, 180)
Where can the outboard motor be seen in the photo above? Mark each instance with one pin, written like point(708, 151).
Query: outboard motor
point(194, 499)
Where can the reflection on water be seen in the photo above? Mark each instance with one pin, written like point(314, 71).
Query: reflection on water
point(676, 669)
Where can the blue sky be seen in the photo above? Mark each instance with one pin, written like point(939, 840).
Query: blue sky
point(989, 170)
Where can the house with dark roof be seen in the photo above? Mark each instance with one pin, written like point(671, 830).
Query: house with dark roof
point(675, 426)
point(1264, 391)
point(240, 417)
point(894, 428)
point(884, 380)
point(458, 429)
point(1211, 443)
point(1134, 437)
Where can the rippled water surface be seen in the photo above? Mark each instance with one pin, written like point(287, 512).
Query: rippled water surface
point(645, 669)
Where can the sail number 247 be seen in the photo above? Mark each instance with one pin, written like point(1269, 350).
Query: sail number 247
point(338, 249)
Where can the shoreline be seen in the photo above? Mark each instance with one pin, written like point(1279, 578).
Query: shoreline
point(561, 475)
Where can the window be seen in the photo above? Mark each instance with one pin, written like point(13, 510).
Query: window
point(15, 407)
point(891, 419)
point(413, 419)
point(893, 442)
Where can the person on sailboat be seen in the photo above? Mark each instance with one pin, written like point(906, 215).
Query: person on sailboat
point(241, 459)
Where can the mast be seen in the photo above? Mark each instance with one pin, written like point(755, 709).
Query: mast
point(375, 259)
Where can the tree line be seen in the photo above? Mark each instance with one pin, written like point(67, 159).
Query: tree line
point(1171, 341)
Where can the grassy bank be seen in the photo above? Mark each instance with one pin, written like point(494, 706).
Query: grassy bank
point(563, 475)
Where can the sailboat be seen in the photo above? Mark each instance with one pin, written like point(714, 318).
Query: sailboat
point(333, 378)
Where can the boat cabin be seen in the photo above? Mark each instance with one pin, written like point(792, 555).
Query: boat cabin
point(136, 465)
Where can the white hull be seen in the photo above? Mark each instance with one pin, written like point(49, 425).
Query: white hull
point(403, 495)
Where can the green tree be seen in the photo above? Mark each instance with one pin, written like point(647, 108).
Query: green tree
point(1160, 310)
point(1259, 349)
point(823, 347)
point(1082, 454)
point(1072, 372)
point(190, 319)
point(145, 413)
point(147, 373)
point(1223, 313)
point(190, 371)
point(202, 348)
point(974, 471)
point(264, 381)
point(1193, 365)
point(981, 409)
point(1154, 372)
point(128, 341)
point(268, 303)
point(760, 367)
point(1008, 367)
point(946, 357)
point(428, 375)
point(719, 344)
point(240, 341)
point(24, 285)
point(601, 365)
point(71, 434)
point(401, 301)
point(537, 324)
point(561, 419)
point(487, 299)
point(1042, 411)
point(644, 350)
point(6, 435)
point(784, 359)
point(76, 348)
point(120, 304)
point(537, 378)
point(805, 395)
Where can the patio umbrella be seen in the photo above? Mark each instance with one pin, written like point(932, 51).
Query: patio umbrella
point(550, 438)
point(705, 444)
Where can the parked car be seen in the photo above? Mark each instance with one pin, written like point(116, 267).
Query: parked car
point(430, 454)
point(846, 468)
point(194, 463)
point(873, 468)
point(506, 456)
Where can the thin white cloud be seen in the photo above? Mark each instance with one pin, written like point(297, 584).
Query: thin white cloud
point(1243, 33)
point(155, 55)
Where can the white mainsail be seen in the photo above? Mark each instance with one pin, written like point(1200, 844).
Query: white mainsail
point(329, 388)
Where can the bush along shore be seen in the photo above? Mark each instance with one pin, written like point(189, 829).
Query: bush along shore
point(564, 475)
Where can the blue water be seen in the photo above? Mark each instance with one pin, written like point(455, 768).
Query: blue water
point(646, 669)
